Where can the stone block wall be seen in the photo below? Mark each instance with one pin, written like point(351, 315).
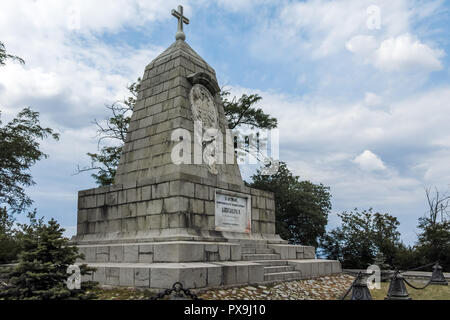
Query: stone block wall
point(164, 204)
point(161, 252)
point(163, 105)
point(293, 252)
point(310, 268)
point(164, 275)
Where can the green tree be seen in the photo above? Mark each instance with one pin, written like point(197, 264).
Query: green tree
point(4, 56)
point(434, 243)
point(19, 141)
point(242, 111)
point(360, 237)
point(41, 272)
point(405, 257)
point(434, 239)
point(301, 207)
point(19, 151)
point(380, 261)
point(9, 247)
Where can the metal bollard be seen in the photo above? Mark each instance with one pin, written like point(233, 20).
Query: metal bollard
point(397, 289)
point(437, 277)
point(360, 291)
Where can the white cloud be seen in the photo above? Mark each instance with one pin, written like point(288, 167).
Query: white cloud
point(70, 74)
point(371, 99)
point(241, 5)
point(404, 53)
point(322, 141)
point(331, 43)
point(369, 161)
point(318, 29)
point(56, 17)
point(362, 44)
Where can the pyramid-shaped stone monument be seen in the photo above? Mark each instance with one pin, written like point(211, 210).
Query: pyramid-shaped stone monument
point(192, 221)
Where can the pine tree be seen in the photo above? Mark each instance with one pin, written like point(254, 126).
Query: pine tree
point(41, 272)
point(380, 261)
point(9, 246)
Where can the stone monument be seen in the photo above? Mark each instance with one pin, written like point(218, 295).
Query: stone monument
point(192, 221)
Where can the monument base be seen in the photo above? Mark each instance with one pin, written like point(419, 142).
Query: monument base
point(197, 264)
point(156, 232)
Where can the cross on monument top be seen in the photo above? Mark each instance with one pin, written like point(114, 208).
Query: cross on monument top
point(181, 19)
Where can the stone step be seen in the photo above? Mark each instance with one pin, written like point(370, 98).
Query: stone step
point(281, 276)
point(161, 252)
point(256, 250)
point(253, 243)
point(264, 251)
point(272, 262)
point(276, 269)
point(262, 256)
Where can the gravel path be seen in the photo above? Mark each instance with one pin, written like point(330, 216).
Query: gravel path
point(324, 288)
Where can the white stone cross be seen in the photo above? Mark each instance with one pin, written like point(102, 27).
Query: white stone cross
point(181, 19)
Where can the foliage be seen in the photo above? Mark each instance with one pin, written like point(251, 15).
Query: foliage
point(41, 272)
point(105, 162)
point(361, 236)
point(434, 243)
point(438, 204)
point(434, 239)
point(241, 112)
point(4, 56)
point(380, 261)
point(19, 151)
point(9, 247)
point(301, 207)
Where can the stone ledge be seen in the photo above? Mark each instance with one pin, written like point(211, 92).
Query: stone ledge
point(198, 274)
point(162, 252)
point(312, 268)
point(164, 275)
point(175, 234)
point(290, 251)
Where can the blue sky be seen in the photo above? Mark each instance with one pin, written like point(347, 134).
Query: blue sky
point(360, 88)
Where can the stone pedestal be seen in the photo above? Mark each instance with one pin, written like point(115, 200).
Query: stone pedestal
point(175, 207)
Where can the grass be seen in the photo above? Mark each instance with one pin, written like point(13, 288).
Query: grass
point(432, 292)
point(123, 294)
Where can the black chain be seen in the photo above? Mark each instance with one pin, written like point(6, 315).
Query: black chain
point(351, 286)
point(418, 268)
point(414, 287)
point(389, 274)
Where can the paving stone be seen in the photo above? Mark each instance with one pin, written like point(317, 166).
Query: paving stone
point(325, 288)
